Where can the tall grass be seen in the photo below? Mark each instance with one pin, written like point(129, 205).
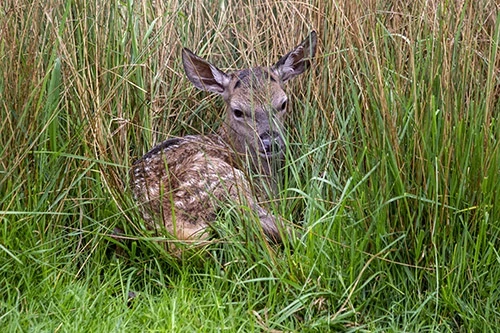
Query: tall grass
point(393, 170)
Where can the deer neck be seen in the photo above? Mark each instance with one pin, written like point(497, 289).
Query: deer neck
point(244, 155)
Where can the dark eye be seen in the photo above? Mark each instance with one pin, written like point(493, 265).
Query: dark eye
point(238, 113)
point(283, 106)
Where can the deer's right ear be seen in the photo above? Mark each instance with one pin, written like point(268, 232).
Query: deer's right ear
point(204, 75)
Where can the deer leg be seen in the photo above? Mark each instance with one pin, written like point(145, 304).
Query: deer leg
point(268, 224)
point(239, 190)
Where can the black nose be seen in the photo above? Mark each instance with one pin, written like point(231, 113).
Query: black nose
point(272, 143)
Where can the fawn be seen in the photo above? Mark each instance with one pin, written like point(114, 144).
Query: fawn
point(184, 181)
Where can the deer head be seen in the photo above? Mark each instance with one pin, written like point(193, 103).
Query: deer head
point(255, 100)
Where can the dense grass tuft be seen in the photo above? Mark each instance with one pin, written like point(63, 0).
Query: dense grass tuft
point(392, 176)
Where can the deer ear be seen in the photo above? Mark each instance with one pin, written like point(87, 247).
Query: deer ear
point(204, 75)
point(298, 60)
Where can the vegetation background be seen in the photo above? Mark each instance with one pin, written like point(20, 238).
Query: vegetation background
point(393, 173)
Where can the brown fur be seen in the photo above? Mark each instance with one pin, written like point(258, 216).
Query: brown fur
point(183, 181)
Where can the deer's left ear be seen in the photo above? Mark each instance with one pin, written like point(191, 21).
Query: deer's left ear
point(298, 60)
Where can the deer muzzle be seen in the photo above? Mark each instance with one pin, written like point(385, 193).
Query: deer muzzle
point(271, 144)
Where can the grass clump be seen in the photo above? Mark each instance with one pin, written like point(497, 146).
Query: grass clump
point(392, 172)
